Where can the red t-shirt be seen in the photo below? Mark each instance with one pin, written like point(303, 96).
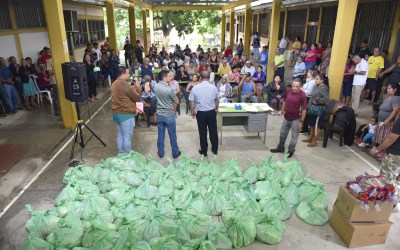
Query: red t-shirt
point(44, 58)
point(314, 57)
point(228, 52)
point(201, 68)
point(320, 51)
point(294, 104)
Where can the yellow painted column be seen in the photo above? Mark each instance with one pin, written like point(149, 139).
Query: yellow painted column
point(306, 29)
point(59, 49)
point(346, 15)
point(144, 18)
point(319, 24)
point(112, 33)
point(223, 30)
point(151, 17)
point(284, 22)
point(132, 22)
point(247, 30)
point(232, 28)
point(273, 37)
point(15, 28)
point(395, 28)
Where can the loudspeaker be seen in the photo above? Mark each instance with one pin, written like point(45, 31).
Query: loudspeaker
point(75, 83)
point(71, 21)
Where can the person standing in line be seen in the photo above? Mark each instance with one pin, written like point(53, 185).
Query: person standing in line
point(166, 108)
point(139, 52)
point(359, 81)
point(283, 43)
point(123, 105)
point(256, 46)
point(375, 65)
point(295, 100)
point(204, 105)
point(279, 64)
point(264, 59)
point(128, 48)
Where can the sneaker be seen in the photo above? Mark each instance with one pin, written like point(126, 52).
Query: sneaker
point(361, 144)
point(277, 150)
point(201, 152)
point(179, 154)
point(358, 139)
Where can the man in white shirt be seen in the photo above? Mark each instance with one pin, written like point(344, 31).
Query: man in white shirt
point(283, 43)
point(97, 50)
point(166, 61)
point(248, 68)
point(359, 81)
point(179, 61)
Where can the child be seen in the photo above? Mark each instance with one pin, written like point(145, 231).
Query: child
point(371, 127)
point(360, 132)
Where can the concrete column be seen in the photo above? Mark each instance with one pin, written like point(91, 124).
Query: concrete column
point(232, 28)
point(151, 17)
point(132, 23)
point(144, 19)
point(273, 37)
point(223, 30)
point(392, 57)
point(112, 33)
point(346, 15)
point(247, 30)
point(53, 11)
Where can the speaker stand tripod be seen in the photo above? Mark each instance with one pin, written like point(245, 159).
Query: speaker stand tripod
point(78, 138)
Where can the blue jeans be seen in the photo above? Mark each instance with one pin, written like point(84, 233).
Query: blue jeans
point(368, 137)
point(256, 53)
point(264, 66)
point(10, 93)
point(124, 135)
point(169, 123)
point(309, 65)
point(285, 128)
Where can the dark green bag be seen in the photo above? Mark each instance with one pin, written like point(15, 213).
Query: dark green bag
point(315, 110)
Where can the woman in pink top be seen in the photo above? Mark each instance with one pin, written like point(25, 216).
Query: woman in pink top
point(311, 57)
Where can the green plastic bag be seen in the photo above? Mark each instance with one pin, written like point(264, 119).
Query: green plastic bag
point(249, 207)
point(207, 245)
point(266, 189)
point(320, 199)
point(164, 243)
point(101, 218)
point(167, 188)
point(241, 230)
point(186, 163)
point(80, 248)
point(100, 238)
point(66, 195)
point(197, 206)
point(95, 203)
point(79, 172)
point(312, 215)
point(270, 229)
point(291, 194)
point(309, 188)
point(218, 235)
point(65, 237)
point(278, 204)
point(193, 244)
point(251, 174)
point(41, 223)
point(73, 222)
point(170, 228)
point(128, 237)
point(120, 195)
point(146, 191)
point(182, 198)
point(141, 245)
point(35, 243)
point(152, 230)
point(75, 208)
point(199, 226)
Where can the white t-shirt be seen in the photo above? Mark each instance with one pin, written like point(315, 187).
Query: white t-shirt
point(155, 65)
point(360, 80)
point(371, 128)
point(250, 70)
point(180, 62)
point(283, 43)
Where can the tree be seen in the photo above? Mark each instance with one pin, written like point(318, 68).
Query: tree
point(184, 21)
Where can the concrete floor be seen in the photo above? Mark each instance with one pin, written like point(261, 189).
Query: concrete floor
point(36, 137)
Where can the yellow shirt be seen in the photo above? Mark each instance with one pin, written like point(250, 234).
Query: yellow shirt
point(279, 59)
point(375, 63)
point(224, 70)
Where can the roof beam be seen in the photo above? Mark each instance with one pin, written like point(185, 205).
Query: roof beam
point(236, 4)
point(189, 7)
point(142, 4)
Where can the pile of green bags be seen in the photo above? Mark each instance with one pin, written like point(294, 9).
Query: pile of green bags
point(131, 202)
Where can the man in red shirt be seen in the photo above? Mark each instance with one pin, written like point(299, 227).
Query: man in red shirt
point(45, 55)
point(296, 101)
point(228, 53)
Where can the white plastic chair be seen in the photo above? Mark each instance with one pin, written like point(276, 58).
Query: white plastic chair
point(40, 93)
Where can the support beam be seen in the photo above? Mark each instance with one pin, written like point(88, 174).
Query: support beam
point(53, 11)
point(190, 7)
point(319, 24)
point(247, 30)
point(273, 37)
point(392, 57)
point(142, 4)
point(232, 28)
point(346, 15)
point(284, 22)
point(236, 4)
point(151, 17)
point(15, 28)
point(223, 30)
point(144, 19)
point(132, 23)
point(112, 32)
point(307, 18)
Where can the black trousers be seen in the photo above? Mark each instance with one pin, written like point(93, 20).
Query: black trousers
point(207, 119)
point(92, 88)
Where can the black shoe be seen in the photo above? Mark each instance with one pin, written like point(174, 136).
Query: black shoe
point(12, 112)
point(277, 150)
point(302, 132)
point(201, 152)
point(179, 154)
point(215, 152)
point(290, 154)
point(161, 156)
point(3, 115)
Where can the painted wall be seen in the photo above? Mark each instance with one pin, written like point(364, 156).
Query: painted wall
point(32, 43)
point(8, 47)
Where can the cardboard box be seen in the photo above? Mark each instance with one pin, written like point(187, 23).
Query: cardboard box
point(352, 211)
point(359, 234)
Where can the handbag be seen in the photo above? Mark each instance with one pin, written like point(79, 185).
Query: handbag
point(315, 110)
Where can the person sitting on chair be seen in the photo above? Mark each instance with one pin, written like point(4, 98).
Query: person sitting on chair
point(248, 89)
point(149, 100)
point(276, 94)
point(224, 89)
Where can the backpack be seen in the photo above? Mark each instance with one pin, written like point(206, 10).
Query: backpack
point(256, 41)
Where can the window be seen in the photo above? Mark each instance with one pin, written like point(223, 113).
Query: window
point(296, 23)
point(240, 23)
point(228, 26)
point(96, 29)
point(29, 14)
point(81, 38)
point(263, 27)
point(255, 22)
point(5, 22)
point(314, 15)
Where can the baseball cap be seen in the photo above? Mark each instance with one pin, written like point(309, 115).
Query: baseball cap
point(248, 74)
